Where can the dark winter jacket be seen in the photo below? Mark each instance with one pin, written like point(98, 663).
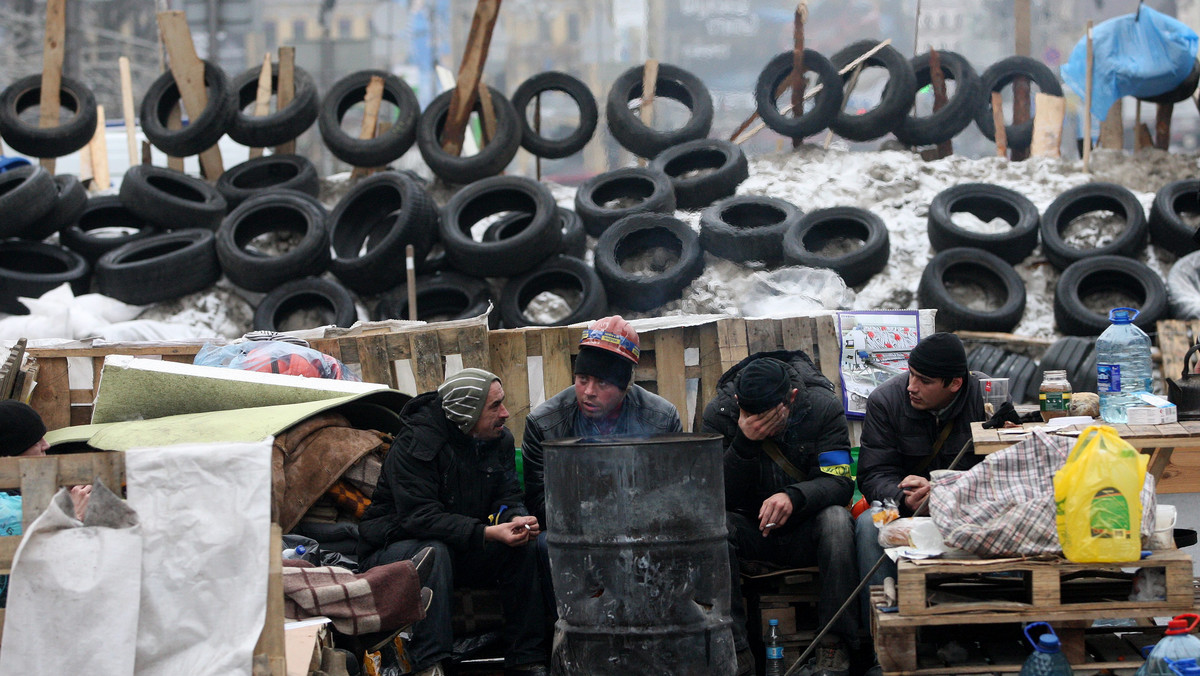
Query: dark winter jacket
point(896, 438)
point(642, 413)
point(439, 484)
point(815, 440)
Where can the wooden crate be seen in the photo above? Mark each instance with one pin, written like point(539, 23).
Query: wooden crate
point(954, 586)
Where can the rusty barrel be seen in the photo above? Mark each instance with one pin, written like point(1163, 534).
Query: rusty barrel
point(638, 555)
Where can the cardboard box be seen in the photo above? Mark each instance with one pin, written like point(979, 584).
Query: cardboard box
point(1155, 410)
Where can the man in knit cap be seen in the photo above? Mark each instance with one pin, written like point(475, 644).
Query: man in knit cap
point(449, 482)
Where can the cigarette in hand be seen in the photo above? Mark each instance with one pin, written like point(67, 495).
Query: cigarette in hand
point(528, 528)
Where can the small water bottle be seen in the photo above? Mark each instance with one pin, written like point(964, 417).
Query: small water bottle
point(774, 643)
point(296, 552)
point(1123, 365)
point(1047, 658)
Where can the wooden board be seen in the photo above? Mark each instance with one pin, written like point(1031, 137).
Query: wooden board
point(1047, 125)
point(188, 71)
point(671, 378)
point(286, 91)
point(470, 73)
point(509, 361)
point(262, 97)
point(426, 360)
point(53, 49)
point(557, 373)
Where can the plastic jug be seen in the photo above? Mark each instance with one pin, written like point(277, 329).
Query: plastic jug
point(1047, 658)
point(1123, 365)
point(1178, 644)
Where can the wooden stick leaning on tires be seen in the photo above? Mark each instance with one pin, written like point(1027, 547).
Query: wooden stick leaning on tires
point(371, 101)
point(188, 70)
point(262, 97)
point(470, 73)
point(649, 88)
point(286, 91)
point(52, 62)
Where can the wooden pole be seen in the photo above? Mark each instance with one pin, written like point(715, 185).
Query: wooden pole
point(262, 97)
point(52, 62)
point(188, 71)
point(99, 148)
point(410, 266)
point(175, 121)
point(1023, 20)
point(1112, 129)
point(127, 110)
point(938, 79)
point(798, 80)
point(1087, 104)
point(1047, 126)
point(998, 120)
point(649, 88)
point(1162, 125)
point(469, 75)
point(371, 101)
point(846, 92)
point(285, 91)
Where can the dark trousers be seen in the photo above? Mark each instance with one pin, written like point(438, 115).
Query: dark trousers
point(826, 540)
point(513, 569)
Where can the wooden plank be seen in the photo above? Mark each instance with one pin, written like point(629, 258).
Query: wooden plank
point(128, 112)
point(271, 642)
point(998, 121)
point(1112, 129)
point(1181, 474)
point(39, 482)
point(711, 369)
point(262, 97)
point(373, 357)
point(99, 146)
point(557, 373)
point(1047, 125)
point(53, 48)
point(428, 370)
point(672, 383)
point(487, 113)
point(1162, 125)
point(174, 121)
point(510, 362)
point(1143, 138)
point(286, 91)
point(472, 346)
point(1021, 113)
point(797, 334)
point(371, 101)
point(732, 342)
point(188, 71)
point(649, 89)
point(937, 78)
point(798, 81)
point(469, 75)
point(51, 396)
point(760, 335)
point(829, 351)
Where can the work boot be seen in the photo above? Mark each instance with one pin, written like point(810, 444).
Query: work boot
point(832, 659)
point(745, 662)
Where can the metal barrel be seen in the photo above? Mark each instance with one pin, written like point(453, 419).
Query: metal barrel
point(638, 555)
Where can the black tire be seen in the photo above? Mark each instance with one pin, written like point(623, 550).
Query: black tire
point(1084, 199)
point(986, 202)
point(1021, 372)
point(372, 225)
point(1167, 227)
point(1000, 75)
point(569, 278)
point(725, 160)
point(170, 199)
point(278, 211)
point(159, 268)
point(652, 187)
point(826, 103)
point(30, 269)
point(27, 194)
point(104, 225)
point(673, 83)
point(958, 111)
point(746, 228)
point(637, 234)
point(491, 158)
point(202, 131)
point(270, 172)
point(1100, 274)
point(1183, 287)
point(895, 101)
point(280, 126)
point(589, 114)
point(68, 206)
point(308, 293)
point(574, 241)
point(506, 257)
point(26, 137)
point(982, 268)
point(1181, 92)
point(378, 151)
point(984, 359)
point(1074, 354)
point(804, 240)
point(441, 297)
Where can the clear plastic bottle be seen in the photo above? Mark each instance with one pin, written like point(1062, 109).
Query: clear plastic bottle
point(1178, 644)
point(1047, 658)
point(296, 552)
point(775, 666)
point(1123, 365)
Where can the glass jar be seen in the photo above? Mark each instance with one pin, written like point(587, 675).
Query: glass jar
point(1054, 396)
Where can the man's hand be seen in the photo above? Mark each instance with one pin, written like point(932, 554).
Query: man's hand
point(915, 489)
point(759, 426)
point(774, 512)
point(520, 531)
point(80, 496)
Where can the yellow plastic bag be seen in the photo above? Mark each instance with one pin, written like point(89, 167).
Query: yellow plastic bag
point(1096, 496)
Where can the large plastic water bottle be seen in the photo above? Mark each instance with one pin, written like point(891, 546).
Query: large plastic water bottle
point(774, 650)
point(1047, 658)
point(1123, 365)
point(1178, 644)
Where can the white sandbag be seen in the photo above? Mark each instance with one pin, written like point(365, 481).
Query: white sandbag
point(68, 600)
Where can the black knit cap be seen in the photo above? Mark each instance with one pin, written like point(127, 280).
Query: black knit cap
point(605, 365)
point(763, 384)
point(20, 427)
point(940, 355)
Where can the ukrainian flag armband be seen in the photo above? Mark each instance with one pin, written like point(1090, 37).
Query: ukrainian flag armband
point(836, 463)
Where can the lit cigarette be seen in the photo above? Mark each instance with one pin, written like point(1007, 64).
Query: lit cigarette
point(770, 525)
point(528, 528)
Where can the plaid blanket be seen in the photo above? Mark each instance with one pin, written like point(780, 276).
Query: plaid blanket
point(385, 598)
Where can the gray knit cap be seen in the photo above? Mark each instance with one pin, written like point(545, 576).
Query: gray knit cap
point(463, 396)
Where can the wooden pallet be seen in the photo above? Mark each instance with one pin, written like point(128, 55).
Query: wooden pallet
point(1007, 585)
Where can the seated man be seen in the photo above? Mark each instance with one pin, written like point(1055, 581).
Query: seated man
point(449, 482)
point(787, 485)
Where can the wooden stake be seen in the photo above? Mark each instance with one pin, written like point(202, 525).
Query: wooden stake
point(846, 92)
point(99, 148)
point(469, 75)
point(410, 265)
point(286, 91)
point(1021, 114)
point(537, 129)
point(1023, 21)
point(649, 88)
point(1143, 138)
point(147, 156)
point(798, 81)
point(175, 121)
point(52, 61)
point(1087, 104)
point(1047, 126)
point(127, 110)
point(371, 101)
point(1112, 129)
point(1162, 126)
point(262, 97)
point(487, 113)
point(998, 120)
point(188, 71)
point(938, 79)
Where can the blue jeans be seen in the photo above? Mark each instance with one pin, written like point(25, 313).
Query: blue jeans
point(866, 540)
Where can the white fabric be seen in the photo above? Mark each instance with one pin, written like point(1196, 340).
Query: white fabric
point(68, 600)
point(206, 514)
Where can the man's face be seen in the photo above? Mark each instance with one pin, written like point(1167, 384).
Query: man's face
point(491, 422)
point(930, 394)
point(37, 449)
point(597, 398)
